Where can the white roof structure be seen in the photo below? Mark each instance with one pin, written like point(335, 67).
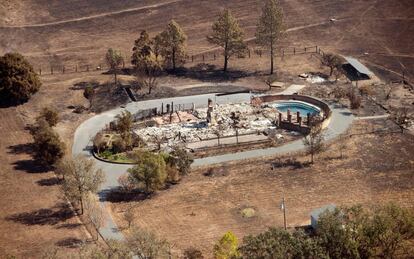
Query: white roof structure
point(358, 66)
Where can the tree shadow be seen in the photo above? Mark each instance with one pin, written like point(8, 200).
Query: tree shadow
point(30, 166)
point(117, 195)
point(52, 216)
point(69, 226)
point(26, 148)
point(50, 181)
point(70, 242)
point(84, 84)
point(289, 163)
point(210, 73)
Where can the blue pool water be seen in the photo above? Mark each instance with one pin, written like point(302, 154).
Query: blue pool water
point(294, 107)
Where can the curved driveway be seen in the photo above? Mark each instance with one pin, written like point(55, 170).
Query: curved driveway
point(340, 121)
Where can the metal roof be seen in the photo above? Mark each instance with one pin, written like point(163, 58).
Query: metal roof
point(358, 66)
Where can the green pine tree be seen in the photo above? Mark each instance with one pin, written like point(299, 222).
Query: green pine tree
point(270, 28)
point(173, 44)
point(228, 35)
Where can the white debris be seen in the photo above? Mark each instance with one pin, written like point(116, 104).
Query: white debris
point(315, 79)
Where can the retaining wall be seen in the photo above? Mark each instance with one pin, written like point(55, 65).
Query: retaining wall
point(285, 97)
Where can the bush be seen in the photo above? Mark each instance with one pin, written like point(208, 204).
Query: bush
point(126, 183)
point(150, 171)
point(47, 145)
point(18, 81)
point(119, 146)
point(180, 159)
point(50, 115)
point(226, 247)
point(106, 154)
point(193, 253)
point(173, 175)
point(89, 92)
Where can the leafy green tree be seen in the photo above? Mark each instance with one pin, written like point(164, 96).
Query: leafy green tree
point(226, 247)
point(81, 178)
point(150, 171)
point(124, 122)
point(50, 115)
point(48, 148)
point(332, 61)
point(270, 28)
point(392, 229)
point(228, 35)
point(335, 237)
point(278, 243)
point(114, 60)
point(180, 159)
point(173, 44)
point(18, 81)
point(146, 61)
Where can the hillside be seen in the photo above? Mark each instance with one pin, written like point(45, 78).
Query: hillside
point(79, 32)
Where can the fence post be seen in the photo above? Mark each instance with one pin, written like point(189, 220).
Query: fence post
point(305, 49)
point(51, 70)
point(294, 51)
point(192, 58)
point(249, 53)
point(63, 69)
point(40, 71)
point(76, 68)
point(162, 108)
point(87, 68)
point(203, 58)
point(214, 56)
point(316, 49)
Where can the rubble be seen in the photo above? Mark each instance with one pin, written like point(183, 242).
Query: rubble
point(229, 120)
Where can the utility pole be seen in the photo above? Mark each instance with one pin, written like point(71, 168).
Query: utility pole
point(283, 207)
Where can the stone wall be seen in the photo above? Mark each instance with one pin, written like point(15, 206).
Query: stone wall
point(294, 126)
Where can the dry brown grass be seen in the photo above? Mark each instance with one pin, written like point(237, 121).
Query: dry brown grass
point(33, 215)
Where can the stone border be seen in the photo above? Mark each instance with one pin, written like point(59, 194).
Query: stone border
point(303, 98)
point(109, 161)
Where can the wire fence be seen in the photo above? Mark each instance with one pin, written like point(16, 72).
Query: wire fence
point(206, 56)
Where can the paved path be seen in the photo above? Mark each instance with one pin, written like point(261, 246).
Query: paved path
point(373, 117)
point(340, 121)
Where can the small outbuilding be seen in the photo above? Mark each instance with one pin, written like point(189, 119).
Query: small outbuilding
point(355, 70)
point(315, 214)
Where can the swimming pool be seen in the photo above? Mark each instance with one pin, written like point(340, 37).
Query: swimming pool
point(295, 106)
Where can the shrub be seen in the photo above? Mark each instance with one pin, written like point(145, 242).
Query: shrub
point(89, 92)
point(226, 247)
point(18, 81)
point(106, 154)
point(181, 159)
point(173, 175)
point(126, 183)
point(47, 145)
point(193, 253)
point(150, 171)
point(50, 115)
